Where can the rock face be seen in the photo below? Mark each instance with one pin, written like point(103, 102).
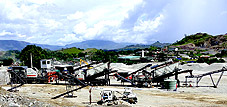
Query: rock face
point(4, 76)
point(216, 41)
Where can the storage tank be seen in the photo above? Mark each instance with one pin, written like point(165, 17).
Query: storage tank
point(170, 84)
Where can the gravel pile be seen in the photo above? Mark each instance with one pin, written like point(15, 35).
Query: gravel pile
point(13, 100)
point(203, 67)
point(4, 76)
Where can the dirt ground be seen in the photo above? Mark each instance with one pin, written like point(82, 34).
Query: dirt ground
point(147, 97)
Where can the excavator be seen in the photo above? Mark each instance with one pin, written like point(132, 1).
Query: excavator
point(82, 61)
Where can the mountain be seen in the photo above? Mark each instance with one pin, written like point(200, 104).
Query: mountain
point(19, 45)
point(51, 47)
point(98, 44)
point(143, 46)
point(133, 47)
point(160, 45)
point(12, 45)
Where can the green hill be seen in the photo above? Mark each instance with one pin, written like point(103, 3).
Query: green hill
point(72, 50)
point(90, 50)
point(202, 40)
point(196, 39)
point(75, 50)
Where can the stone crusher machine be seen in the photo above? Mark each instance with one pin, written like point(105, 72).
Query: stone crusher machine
point(165, 71)
point(91, 80)
point(24, 75)
point(158, 73)
point(138, 78)
point(97, 75)
point(141, 77)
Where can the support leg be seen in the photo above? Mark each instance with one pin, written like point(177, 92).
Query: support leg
point(219, 78)
point(213, 81)
point(186, 81)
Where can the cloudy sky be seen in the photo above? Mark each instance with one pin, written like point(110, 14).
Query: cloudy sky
point(60, 22)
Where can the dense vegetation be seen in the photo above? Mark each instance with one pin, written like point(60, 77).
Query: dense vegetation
point(8, 57)
point(222, 54)
point(37, 54)
point(6, 61)
point(196, 39)
point(72, 54)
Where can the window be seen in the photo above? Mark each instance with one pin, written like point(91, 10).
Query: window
point(43, 62)
point(48, 62)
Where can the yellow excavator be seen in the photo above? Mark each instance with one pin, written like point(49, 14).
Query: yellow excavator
point(82, 61)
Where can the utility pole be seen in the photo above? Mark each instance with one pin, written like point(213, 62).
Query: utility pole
point(31, 60)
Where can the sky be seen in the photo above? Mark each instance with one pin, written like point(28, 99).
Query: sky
point(61, 22)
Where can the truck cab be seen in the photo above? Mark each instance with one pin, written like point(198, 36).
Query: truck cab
point(108, 96)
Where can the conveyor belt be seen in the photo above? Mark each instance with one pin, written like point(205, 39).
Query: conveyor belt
point(148, 65)
point(105, 71)
point(155, 67)
point(72, 77)
point(200, 76)
point(122, 78)
point(162, 77)
point(68, 92)
point(20, 79)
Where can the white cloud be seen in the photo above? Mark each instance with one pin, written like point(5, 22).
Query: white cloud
point(21, 36)
point(51, 24)
point(80, 28)
point(3, 33)
point(128, 37)
point(75, 16)
point(41, 1)
point(11, 10)
point(42, 20)
point(137, 21)
point(148, 25)
point(70, 38)
point(88, 33)
point(31, 37)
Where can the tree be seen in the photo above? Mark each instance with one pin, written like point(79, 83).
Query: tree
point(153, 48)
point(37, 54)
point(6, 61)
point(105, 56)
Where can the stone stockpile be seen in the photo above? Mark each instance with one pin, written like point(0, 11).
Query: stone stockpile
point(13, 100)
point(4, 76)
